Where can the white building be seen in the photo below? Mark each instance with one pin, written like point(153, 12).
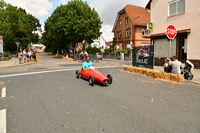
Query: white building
point(99, 43)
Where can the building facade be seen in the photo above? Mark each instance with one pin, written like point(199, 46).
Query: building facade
point(184, 15)
point(99, 43)
point(130, 27)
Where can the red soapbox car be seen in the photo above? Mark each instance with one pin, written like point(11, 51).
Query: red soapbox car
point(94, 76)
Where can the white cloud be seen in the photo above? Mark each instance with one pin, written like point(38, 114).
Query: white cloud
point(106, 32)
point(37, 8)
point(63, 2)
point(108, 10)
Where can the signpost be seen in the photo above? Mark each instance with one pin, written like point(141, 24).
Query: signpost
point(1, 46)
point(17, 43)
point(171, 34)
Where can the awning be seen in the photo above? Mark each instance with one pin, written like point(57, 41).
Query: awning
point(164, 34)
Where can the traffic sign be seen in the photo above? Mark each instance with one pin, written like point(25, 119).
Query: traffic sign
point(171, 31)
point(17, 43)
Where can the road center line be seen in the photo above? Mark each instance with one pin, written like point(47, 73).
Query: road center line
point(3, 93)
point(60, 70)
point(3, 121)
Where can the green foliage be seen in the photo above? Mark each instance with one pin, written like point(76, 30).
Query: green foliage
point(17, 25)
point(6, 54)
point(92, 50)
point(119, 51)
point(107, 51)
point(71, 23)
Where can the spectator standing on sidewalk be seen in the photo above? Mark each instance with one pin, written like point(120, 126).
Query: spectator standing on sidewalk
point(176, 65)
point(20, 56)
point(29, 54)
point(25, 55)
point(34, 55)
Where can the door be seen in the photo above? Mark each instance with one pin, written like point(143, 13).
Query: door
point(182, 49)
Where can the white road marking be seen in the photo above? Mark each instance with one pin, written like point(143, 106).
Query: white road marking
point(3, 121)
point(3, 93)
point(30, 73)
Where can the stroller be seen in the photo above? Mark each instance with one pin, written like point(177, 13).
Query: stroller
point(187, 70)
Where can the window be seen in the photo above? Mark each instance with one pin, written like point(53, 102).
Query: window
point(119, 34)
point(161, 48)
point(128, 46)
point(143, 32)
point(120, 23)
point(128, 32)
point(126, 21)
point(176, 7)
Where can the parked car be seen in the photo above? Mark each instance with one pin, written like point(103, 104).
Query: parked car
point(98, 56)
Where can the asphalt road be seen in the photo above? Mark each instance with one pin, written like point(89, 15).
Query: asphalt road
point(45, 97)
point(57, 102)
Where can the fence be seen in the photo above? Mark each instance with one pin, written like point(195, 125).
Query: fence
point(117, 56)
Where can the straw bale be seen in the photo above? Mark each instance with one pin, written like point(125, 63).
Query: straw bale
point(154, 73)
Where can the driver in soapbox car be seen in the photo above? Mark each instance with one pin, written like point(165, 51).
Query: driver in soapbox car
point(89, 72)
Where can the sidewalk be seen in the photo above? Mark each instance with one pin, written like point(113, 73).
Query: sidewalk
point(12, 63)
point(15, 62)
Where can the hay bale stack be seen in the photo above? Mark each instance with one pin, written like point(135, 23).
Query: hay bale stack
point(32, 60)
point(58, 55)
point(154, 73)
point(67, 58)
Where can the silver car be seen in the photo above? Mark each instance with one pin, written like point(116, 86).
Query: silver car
point(98, 56)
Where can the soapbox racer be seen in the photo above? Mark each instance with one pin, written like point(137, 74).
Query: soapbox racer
point(94, 76)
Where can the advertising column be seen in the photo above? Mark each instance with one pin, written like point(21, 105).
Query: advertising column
point(1, 46)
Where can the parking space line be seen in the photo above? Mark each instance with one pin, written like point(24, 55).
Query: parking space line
point(3, 121)
point(3, 92)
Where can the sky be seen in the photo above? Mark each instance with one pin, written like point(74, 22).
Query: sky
point(107, 10)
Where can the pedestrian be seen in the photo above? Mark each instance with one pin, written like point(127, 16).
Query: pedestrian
point(34, 55)
point(176, 65)
point(20, 56)
point(24, 55)
point(167, 65)
point(29, 54)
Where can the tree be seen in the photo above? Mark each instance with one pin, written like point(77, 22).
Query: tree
point(17, 25)
point(71, 23)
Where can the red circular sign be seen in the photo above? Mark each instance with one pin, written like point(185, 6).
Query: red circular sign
point(171, 31)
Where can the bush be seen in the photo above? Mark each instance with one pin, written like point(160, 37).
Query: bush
point(6, 54)
point(92, 50)
point(119, 51)
point(107, 51)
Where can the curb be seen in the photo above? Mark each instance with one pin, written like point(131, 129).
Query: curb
point(17, 65)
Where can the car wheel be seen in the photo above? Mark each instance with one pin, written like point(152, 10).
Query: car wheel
point(110, 77)
point(77, 74)
point(91, 81)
